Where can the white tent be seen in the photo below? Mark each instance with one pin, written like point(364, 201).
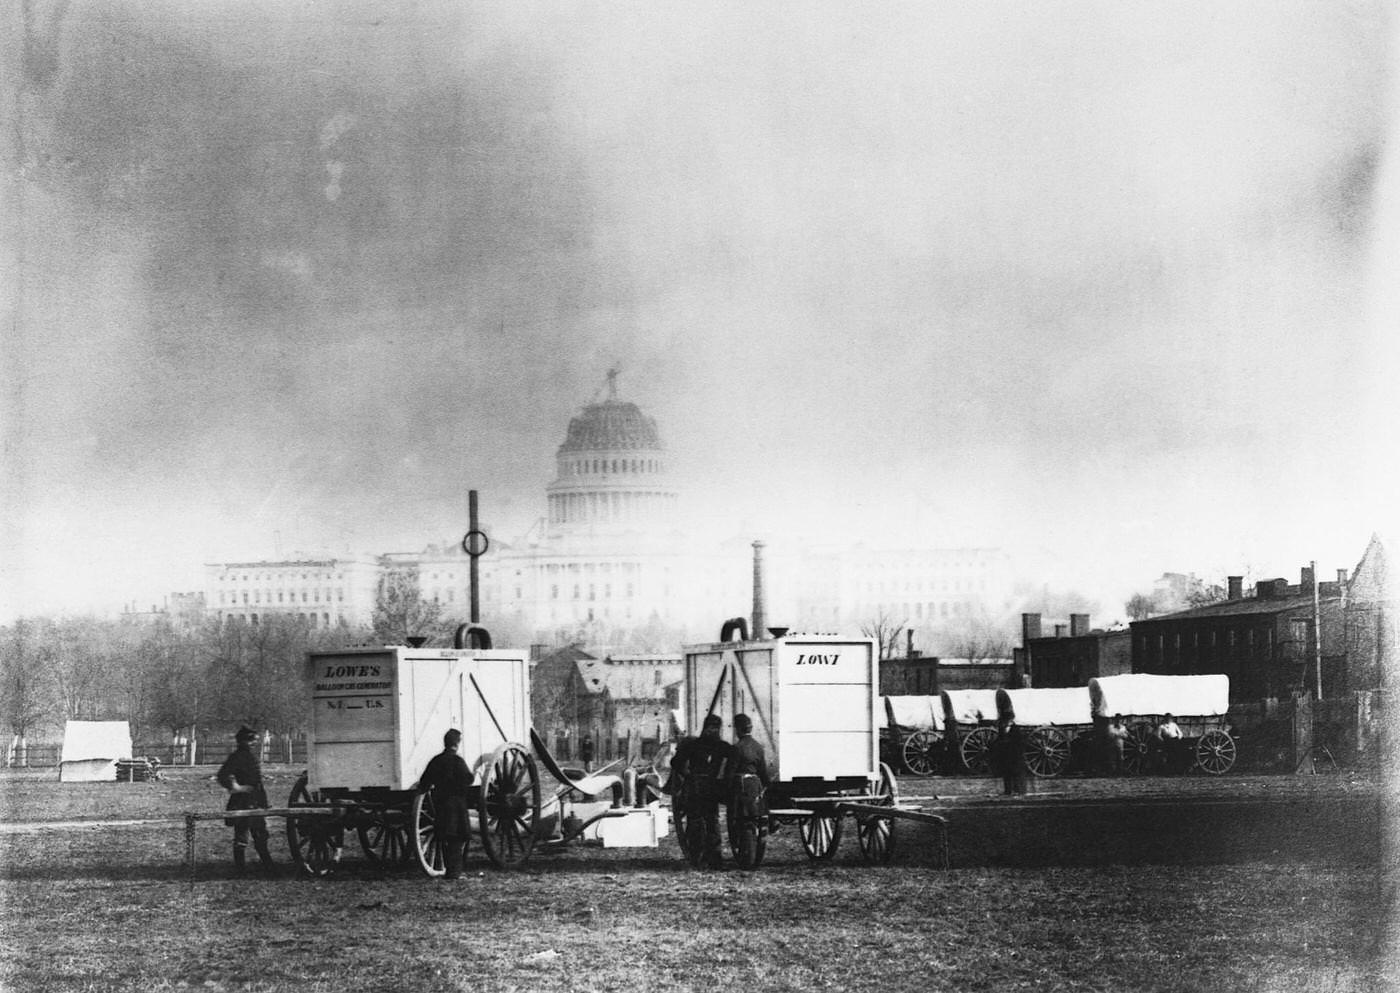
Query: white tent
point(91, 750)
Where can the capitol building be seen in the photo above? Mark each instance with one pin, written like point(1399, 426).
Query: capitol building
point(612, 562)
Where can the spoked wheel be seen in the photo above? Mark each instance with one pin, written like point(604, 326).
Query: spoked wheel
point(1047, 752)
point(820, 833)
point(312, 840)
point(384, 836)
point(976, 750)
point(509, 807)
point(426, 846)
point(921, 750)
point(1135, 751)
point(876, 834)
point(1215, 752)
point(748, 841)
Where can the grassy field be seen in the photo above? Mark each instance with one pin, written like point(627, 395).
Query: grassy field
point(1244, 884)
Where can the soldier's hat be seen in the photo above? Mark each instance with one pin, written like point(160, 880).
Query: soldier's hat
point(714, 721)
point(245, 733)
point(452, 738)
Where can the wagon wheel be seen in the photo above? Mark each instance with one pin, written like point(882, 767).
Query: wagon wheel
point(1215, 752)
point(1047, 752)
point(509, 808)
point(1135, 751)
point(876, 834)
point(921, 750)
point(976, 750)
point(820, 833)
point(313, 843)
point(384, 836)
point(427, 849)
point(746, 841)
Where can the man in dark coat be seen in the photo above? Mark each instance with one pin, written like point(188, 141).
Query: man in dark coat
point(749, 756)
point(450, 781)
point(701, 766)
point(1011, 755)
point(241, 775)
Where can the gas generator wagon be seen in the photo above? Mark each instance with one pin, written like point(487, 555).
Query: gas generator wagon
point(815, 707)
point(378, 716)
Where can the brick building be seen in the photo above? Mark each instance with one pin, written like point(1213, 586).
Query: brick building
point(1265, 642)
point(1075, 653)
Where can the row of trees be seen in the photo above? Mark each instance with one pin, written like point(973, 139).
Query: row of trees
point(187, 682)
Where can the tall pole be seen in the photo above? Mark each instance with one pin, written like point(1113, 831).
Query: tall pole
point(1317, 631)
point(472, 523)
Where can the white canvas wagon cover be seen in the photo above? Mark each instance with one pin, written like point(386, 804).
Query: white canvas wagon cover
point(1048, 707)
point(1144, 694)
point(922, 712)
point(969, 706)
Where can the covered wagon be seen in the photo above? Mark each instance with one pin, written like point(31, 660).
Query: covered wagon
point(914, 728)
point(1199, 704)
point(1054, 720)
point(969, 728)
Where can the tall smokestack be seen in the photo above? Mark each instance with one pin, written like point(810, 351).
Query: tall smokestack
point(759, 613)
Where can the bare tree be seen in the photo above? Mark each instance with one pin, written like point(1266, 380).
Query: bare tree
point(28, 694)
point(977, 638)
point(1140, 607)
point(885, 630)
point(400, 609)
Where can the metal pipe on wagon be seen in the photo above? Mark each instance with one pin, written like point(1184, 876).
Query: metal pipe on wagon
point(472, 525)
point(759, 607)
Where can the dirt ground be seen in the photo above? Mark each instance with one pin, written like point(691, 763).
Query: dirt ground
point(1246, 883)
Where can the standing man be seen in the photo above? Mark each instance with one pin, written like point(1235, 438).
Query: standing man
point(749, 757)
point(449, 780)
point(585, 752)
point(702, 771)
point(1011, 754)
point(241, 775)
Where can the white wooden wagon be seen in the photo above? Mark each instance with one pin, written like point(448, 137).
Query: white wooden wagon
point(379, 715)
point(814, 703)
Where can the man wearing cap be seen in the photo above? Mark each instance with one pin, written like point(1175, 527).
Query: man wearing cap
point(241, 775)
point(450, 781)
point(702, 767)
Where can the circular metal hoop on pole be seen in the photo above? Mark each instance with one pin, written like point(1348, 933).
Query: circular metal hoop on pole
point(470, 541)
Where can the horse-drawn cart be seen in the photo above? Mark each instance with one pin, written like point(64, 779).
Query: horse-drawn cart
point(1198, 704)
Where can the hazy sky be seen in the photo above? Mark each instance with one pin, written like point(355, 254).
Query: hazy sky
point(1092, 282)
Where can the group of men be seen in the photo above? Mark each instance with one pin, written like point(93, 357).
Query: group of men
point(1166, 745)
point(707, 771)
point(447, 776)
